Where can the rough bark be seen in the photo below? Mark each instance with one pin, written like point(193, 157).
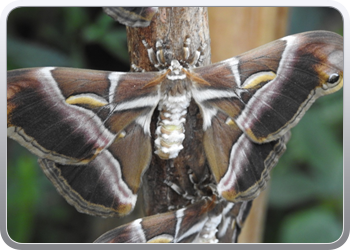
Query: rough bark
point(172, 25)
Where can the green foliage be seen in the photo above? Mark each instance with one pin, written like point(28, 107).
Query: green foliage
point(63, 37)
point(28, 51)
point(314, 225)
point(23, 196)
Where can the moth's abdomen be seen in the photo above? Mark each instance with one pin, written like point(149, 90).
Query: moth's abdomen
point(170, 131)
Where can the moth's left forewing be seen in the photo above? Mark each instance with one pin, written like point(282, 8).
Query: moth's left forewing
point(133, 105)
point(40, 118)
point(127, 114)
point(91, 129)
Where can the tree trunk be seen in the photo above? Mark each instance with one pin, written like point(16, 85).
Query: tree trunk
point(173, 25)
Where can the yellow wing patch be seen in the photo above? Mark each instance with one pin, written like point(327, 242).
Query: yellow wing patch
point(164, 238)
point(93, 101)
point(256, 79)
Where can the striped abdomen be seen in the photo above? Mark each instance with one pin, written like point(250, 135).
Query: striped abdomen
point(170, 131)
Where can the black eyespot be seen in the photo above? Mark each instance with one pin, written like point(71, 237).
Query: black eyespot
point(333, 78)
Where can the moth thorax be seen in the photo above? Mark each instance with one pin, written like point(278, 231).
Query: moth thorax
point(170, 131)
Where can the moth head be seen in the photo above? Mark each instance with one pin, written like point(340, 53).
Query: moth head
point(175, 67)
point(176, 71)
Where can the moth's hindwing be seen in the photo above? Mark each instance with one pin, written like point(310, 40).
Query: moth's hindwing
point(91, 129)
point(205, 221)
point(171, 227)
point(254, 99)
point(132, 16)
point(240, 166)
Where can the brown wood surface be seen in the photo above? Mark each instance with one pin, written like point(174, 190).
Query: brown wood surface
point(172, 25)
point(234, 30)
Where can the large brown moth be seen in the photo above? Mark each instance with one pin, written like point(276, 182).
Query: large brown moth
point(84, 125)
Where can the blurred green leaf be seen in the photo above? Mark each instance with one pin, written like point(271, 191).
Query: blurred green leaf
point(22, 197)
point(115, 42)
point(112, 39)
point(33, 55)
point(75, 19)
point(315, 225)
point(98, 30)
point(290, 189)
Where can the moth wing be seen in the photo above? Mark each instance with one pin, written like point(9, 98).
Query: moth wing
point(132, 16)
point(107, 185)
point(180, 226)
point(91, 129)
point(267, 90)
point(233, 218)
point(240, 166)
point(250, 102)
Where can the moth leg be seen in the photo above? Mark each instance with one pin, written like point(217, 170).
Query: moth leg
point(158, 58)
point(180, 191)
point(197, 57)
point(160, 54)
point(202, 189)
point(136, 68)
point(201, 56)
point(151, 54)
point(186, 48)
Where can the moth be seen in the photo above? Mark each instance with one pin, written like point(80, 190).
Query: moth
point(91, 129)
point(206, 221)
point(132, 16)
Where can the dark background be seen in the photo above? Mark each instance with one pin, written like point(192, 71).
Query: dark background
point(306, 191)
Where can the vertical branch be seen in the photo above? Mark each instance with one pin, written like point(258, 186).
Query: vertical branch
point(235, 30)
point(172, 25)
